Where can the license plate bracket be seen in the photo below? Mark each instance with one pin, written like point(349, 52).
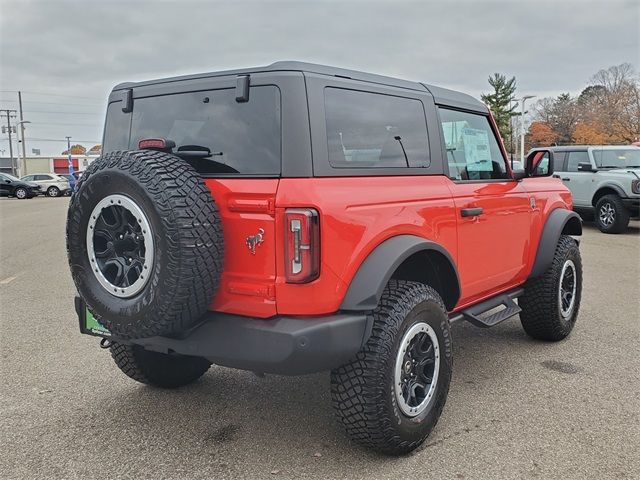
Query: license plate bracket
point(88, 324)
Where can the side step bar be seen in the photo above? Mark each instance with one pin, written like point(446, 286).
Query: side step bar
point(474, 314)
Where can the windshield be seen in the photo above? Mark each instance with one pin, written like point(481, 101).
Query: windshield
point(10, 177)
point(617, 158)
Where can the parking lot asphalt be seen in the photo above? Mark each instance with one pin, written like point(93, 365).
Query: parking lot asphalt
point(517, 408)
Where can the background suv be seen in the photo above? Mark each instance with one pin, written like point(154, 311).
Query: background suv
point(604, 181)
point(51, 184)
point(11, 186)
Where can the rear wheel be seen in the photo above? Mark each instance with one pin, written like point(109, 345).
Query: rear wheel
point(158, 369)
point(551, 302)
point(611, 215)
point(391, 395)
point(53, 191)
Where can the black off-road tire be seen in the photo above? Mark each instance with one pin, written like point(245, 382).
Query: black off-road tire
point(158, 369)
point(541, 315)
point(187, 238)
point(621, 215)
point(363, 390)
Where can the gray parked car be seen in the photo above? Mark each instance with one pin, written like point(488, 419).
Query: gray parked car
point(604, 181)
point(51, 184)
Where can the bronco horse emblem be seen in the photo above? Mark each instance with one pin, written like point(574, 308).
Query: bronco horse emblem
point(254, 240)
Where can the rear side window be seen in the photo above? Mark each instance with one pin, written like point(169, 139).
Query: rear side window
point(558, 161)
point(576, 158)
point(473, 152)
point(241, 138)
point(116, 130)
point(370, 130)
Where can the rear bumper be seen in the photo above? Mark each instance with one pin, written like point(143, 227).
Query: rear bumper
point(281, 345)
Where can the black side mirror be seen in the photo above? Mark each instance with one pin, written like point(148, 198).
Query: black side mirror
point(539, 163)
point(585, 167)
point(8, 181)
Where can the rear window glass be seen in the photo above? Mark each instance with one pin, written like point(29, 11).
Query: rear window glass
point(241, 138)
point(370, 130)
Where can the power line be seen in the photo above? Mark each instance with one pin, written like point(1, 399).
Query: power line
point(47, 94)
point(64, 123)
point(58, 140)
point(63, 113)
point(57, 103)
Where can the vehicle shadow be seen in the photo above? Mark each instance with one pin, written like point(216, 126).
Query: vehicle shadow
point(232, 417)
point(632, 229)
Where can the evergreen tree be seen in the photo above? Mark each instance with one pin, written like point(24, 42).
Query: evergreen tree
point(499, 102)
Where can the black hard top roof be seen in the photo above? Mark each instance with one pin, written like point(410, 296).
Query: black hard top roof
point(441, 95)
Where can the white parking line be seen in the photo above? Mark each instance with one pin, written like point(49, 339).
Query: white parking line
point(7, 280)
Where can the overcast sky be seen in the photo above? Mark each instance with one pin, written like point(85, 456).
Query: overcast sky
point(66, 56)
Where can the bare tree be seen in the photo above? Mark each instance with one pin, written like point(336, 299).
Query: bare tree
point(614, 102)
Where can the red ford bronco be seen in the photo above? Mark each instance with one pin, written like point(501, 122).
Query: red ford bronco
point(297, 218)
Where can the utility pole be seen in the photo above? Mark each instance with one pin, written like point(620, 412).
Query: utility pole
point(23, 164)
point(9, 113)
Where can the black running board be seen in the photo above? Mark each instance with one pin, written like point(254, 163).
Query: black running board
point(474, 314)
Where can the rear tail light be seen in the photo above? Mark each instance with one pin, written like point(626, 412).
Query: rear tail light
point(302, 251)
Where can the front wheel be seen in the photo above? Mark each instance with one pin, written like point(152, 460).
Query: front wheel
point(611, 215)
point(20, 193)
point(53, 191)
point(551, 302)
point(391, 395)
point(158, 369)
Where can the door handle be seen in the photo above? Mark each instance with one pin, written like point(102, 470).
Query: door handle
point(566, 179)
point(556, 176)
point(471, 212)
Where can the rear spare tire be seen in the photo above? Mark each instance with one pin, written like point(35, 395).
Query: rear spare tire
point(144, 242)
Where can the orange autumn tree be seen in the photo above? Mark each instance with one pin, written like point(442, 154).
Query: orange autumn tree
point(589, 133)
point(76, 150)
point(541, 134)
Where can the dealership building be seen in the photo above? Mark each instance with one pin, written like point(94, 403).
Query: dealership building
point(41, 164)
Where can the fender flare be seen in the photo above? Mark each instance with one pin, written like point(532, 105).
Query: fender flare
point(558, 222)
point(621, 193)
point(365, 289)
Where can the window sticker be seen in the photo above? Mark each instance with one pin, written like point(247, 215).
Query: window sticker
point(476, 148)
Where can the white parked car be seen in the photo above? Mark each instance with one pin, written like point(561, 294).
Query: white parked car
point(51, 184)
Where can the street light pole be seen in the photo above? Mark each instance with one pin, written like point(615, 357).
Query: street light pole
point(21, 123)
point(524, 99)
point(511, 100)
